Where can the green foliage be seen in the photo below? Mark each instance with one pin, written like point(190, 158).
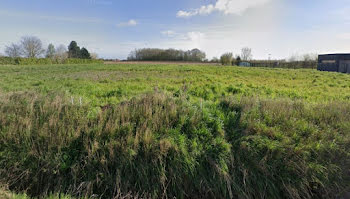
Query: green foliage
point(73, 50)
point(155, 54)
point(9, 61)
point(226, 59)
point(50, 52)
point(84, 54)
point(237, 61)
point(200, 132)
point(82, 61)
point(45, 61)
point(163, 146)
point(4, 194)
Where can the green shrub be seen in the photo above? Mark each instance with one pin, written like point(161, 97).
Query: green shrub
point(82, 61)
point(45, 61)
point(8, 61)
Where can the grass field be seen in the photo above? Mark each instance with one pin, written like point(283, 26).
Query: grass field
point(174, 130)
point(104, 84)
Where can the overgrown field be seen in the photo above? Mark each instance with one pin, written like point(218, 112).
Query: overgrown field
point(164, 131)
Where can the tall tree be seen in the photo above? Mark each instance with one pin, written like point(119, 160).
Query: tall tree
point(197, 55)
point(13, 50)
point(73, 50)
point(238, 60)
point(226, 58)
point(246, 54)
point(50, 52)
point(32, 46)
point(84, 54)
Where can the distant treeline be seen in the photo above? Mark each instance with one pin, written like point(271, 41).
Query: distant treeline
point(155, 54)
point(45, 61)
point(285, 64)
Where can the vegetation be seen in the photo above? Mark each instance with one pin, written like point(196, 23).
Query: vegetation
point(51, 51)
point(45, 61)
point(185, 131)
point(31, 47)
point(74, 51)
point(246, 54)
point(311, 64)
point(5, 194)
point(294, 62)
point(14, 50)
point(153, 54)
point(226, 59)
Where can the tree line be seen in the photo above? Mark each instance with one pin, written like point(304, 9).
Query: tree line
point(156, 54)
point(194, 55)
point(32, 47)
point(308, 60)
point(229, 59)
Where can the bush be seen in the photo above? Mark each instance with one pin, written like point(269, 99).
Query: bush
point(82, 61)
point(161, 146)
point(45, 61)
point(226, 59)
point(8, 61)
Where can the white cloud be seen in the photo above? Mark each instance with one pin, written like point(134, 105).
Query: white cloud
point(195, 36)
point(184, 40)
point(185, 14)
point(196, 39)
point(237, 7)
point(131, 22)
point(168, 33)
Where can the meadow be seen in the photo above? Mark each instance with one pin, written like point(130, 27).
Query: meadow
point(174, 130)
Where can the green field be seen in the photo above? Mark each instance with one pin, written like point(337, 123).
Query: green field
point(174, 130)
point(111, 84)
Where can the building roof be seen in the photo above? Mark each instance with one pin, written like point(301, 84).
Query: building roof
point(337, 54)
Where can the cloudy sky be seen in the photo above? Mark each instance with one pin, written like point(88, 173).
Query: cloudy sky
point(112, 28)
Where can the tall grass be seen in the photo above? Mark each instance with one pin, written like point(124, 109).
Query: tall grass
point(160, 146)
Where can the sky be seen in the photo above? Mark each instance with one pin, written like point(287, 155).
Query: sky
point(112, 28)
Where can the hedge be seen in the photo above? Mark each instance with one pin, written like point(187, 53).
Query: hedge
point(45, 61)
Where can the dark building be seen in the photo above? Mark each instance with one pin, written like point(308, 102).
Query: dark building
point(334, 62)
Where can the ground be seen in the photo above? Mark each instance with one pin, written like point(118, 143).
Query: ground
point(173, 130)
point(104, 84)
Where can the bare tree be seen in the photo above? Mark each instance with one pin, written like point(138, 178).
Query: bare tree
point(94, 55)
point(32, 46)
point(61, 53)
point(310, 57)
point(61, 49)
point(246, 54)
point(14, 50)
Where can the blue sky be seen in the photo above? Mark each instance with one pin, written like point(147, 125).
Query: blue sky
point(112, 28)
